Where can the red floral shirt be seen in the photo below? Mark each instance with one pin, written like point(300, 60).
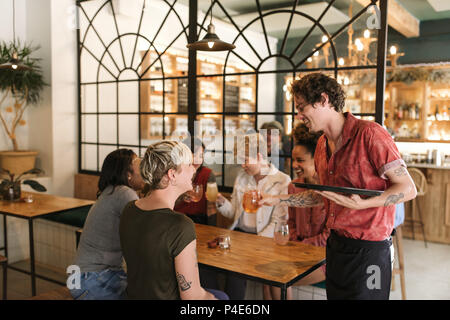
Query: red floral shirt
point(307, 225)
point(366, 153)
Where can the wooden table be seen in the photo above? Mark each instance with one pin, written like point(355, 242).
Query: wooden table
point(258, 258)
point(42, 205)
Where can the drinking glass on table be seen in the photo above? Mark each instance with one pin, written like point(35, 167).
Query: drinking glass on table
point(281, 233)
point(211, 191)
point(196, 193)
point(224, 242)
point(251, 199)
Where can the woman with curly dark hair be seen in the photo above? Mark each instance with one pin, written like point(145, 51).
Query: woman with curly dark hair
point(307, 225)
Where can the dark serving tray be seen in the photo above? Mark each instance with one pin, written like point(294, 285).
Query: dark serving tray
point(364, 192)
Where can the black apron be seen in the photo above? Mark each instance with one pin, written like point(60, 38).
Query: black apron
point(358, 269)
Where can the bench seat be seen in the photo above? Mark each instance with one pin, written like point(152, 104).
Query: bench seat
point(73, 217)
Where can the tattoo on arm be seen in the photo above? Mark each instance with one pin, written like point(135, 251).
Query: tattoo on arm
point(183, 283)
point(302, 200)
point(393, 199)
point(400, 172)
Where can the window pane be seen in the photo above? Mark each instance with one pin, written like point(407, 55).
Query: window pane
point(89, 128)
point(107, 129)
point(107, 94)
point(88, 98)
point(89, 157)
point(128, 129)
point(128, 96)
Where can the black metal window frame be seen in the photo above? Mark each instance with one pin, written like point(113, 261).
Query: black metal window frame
point(192, 33)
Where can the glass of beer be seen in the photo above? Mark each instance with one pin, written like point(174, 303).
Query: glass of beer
point(196, 193)
point(281, 233)
point(250, 201)
point(211, 191)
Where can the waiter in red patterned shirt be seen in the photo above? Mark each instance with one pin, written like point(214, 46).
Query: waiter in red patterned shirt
point(358, 154)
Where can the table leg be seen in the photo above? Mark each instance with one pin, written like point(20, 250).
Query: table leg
point(283, 292)
point(32, 262)
point(5, 236)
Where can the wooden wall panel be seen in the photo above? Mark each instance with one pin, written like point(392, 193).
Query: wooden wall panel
point(86, 186)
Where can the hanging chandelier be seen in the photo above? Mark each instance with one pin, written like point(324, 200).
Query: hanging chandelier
point(211, 42)
point(14, 63)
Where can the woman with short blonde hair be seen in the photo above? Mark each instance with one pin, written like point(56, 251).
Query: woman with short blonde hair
point(159, 159)
point(159, 244)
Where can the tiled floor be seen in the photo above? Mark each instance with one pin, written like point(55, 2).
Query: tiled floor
point(427, 273)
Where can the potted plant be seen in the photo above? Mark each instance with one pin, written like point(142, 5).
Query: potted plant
point(10, 187)
point(18, 90)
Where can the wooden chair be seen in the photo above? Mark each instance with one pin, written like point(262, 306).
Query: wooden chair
point(421, 185)
point(398, 247)
point(3, 263)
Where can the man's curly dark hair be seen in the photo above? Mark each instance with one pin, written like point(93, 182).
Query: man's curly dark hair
point(311, 86)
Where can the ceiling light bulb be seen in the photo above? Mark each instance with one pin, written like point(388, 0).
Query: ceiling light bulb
point(324, 39)
point(14, 66)
point(393, 50)
point(210, 44)
point(367, 34)
point(346, 81)
point(341, 61)
point(309, 59)
point(359, 45)
point(316, 53)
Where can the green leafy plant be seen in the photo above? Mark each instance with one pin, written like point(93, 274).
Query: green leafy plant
point(14, 183)
point(24, 87)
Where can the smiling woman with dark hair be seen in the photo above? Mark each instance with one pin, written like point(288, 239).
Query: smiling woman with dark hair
point(99, 254)
point(307, 225)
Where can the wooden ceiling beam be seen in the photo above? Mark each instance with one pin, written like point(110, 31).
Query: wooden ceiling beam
point(400, 19)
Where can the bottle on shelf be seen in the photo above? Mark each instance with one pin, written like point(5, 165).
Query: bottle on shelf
point(399, 112)
point(445, 114)
point(437, 116)
point(412, 111)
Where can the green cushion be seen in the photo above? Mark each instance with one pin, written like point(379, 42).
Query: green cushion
point(73, 217)
point(320, 285)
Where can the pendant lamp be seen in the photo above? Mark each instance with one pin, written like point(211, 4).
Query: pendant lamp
point(14, 63)
point(211, 42)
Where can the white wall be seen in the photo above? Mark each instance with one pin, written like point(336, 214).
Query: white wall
point(64, 123)
point(40, 134)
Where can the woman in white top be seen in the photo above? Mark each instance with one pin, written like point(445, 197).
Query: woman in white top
point(263, 176)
